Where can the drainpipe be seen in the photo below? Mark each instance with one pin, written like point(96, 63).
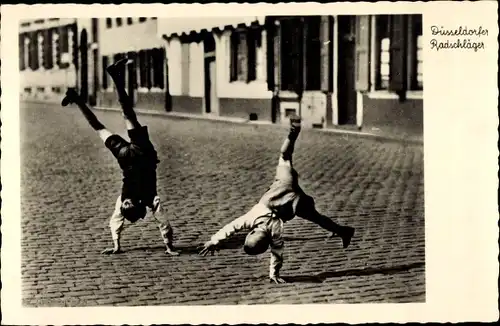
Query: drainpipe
point(277, 74)
point(302, 54)
point(168, 97)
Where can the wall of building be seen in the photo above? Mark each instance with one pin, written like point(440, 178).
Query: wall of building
point(185, 67)
point(239, 98)
point(390, 114)
point(45, 84)
point(135, 37)
point(129, 38)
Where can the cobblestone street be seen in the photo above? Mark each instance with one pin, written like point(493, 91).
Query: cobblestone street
point(210, 173)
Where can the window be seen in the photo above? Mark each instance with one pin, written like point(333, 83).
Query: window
point(413, 47)
point(119, 22)
point(313, 54)
point(22, 52)
point(420, 64)
point(33, 50)
point(158, 65)
point(130, 21)
point(95, 28)
point(151, 68)
point(105, 63)
point(383, 45)
point(417, 82)
point(243, 55)
point(142, 19)
point(109, 22)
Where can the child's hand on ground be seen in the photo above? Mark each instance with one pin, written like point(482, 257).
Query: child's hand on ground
point(277, 280)
point(208, 247)
point(171, 250)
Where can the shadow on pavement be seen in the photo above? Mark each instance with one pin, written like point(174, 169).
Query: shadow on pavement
point(236, 242)
point(320, 237)
point(321, 277)
point(183, 250)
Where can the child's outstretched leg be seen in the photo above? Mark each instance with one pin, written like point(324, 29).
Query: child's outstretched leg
point(288, 145)
point(117, 73)
point(306, 209)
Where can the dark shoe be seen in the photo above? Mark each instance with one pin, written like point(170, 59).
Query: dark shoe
point(347, 235)
point(295, 120)
point(118, 68)
point(71, 97)
point(295, 124)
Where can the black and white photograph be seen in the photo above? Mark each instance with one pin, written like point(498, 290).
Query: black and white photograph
point(222, 160)
point(350, 229)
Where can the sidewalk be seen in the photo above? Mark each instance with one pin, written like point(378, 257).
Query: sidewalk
point(392, 135)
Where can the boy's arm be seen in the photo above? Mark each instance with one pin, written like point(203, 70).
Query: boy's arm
point(116, 223)
point(277, 249)
point(242, 222)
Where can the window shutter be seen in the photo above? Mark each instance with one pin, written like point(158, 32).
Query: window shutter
point(299, 49)
point(75, 50)
point(271, 54)
point(398, 67)
point(233, 44)
point(132, 75)
point(362, 63)
point(34, 51)
point(149, 70)
point(325, 41)
point(104, 73)
point(63, 43)
point(22, 63)
point(142, 69)
point(47, 49)
point(161, 68)
point(252, 55)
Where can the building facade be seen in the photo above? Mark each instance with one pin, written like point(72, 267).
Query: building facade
point(48, 57)
point(217, 66)
point(135, 38)
point(354, 72)
point(351, 71)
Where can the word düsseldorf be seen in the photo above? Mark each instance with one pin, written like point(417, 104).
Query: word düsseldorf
point(457, 43)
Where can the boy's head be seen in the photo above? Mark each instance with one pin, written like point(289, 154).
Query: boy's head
point(132, 210)
point(256, 242)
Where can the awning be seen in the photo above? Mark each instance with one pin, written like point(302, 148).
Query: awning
point(186, 25)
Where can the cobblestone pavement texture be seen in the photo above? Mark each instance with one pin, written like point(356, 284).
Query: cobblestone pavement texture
point(210, 173)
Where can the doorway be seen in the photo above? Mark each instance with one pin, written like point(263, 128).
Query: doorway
point(210, 74)
point(84, 75)
point(346, 89)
